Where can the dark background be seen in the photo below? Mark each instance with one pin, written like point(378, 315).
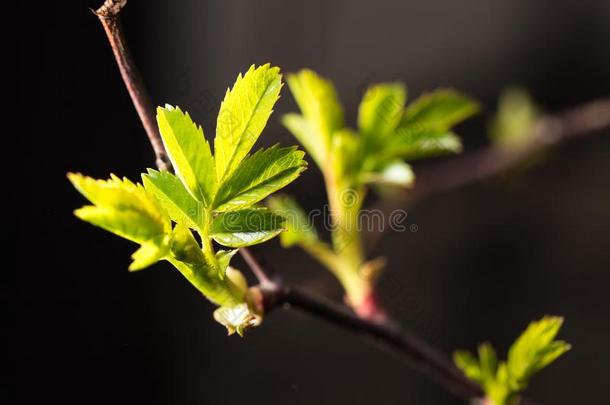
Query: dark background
point(485, 261)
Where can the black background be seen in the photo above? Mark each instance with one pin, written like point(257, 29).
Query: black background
point(486, 259)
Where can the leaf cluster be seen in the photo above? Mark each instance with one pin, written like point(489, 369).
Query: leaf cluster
point(214, 195)
point(502, 381)
point(388, 132)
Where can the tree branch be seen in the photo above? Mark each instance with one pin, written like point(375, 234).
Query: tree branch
point(108, 15)
point(385, 333)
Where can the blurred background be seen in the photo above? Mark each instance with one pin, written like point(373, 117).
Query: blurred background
point(485, 260)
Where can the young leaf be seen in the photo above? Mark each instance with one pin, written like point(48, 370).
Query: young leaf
point(121, 207)
point(237, 319)
point(189, 152)
point(187, 257)
point(381, 110)
point(223, 257)
point(440, 110)
point(469, 364)
point(299, 228)
point(395, 173)
point(243, 115)
point(149, 253)
point(346, 155)
point(534, 350)
point(175, 199)
point(259, 175)
point(322, 113)
point(246, 227)
point(517, 114)
point(417, 142)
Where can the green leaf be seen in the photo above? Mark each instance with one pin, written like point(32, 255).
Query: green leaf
point(395, 173)
point(469, 364)
point(514, 122)
point(259, 175)
point(503, 381)
point(381, 110)
point(187, 257)
point(189, 152)
point(243, 115)
point(440, 110)
point(149, 253)
point(299, 228)
point(322, 113)
point(223, 257)
point(246, 227)
point(488, 362)
point(346, 156)
point(416, 143)
point(535, 349)
point(306, 134)
point(121, 207)
point(175, 199)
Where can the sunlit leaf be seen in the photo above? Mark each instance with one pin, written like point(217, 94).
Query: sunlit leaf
point(381, 110)
point(175, 199)
point(321, 111)
point(243, 115)
point(259, 175)
point(440, 110)
point(121, 207)
point(189, 152)
point(246, 227)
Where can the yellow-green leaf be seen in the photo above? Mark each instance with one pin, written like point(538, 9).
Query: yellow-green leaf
point(175, 199)
point(243, 115)
point(259, 175)
point(189, 152)
point(321, 110)
point(246, 227)
point(121, 207)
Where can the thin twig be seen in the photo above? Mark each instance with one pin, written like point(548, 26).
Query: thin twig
point(550, 130)
point(108, 15)
point(385, 334)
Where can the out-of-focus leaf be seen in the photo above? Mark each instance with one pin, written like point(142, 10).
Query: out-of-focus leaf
point(321, 111)
point(395, 173)
point(440, 110)
point(411, 143)
point(298, 227)
point(346, 156)
point(534, 350)
point(514, 122)
point(503, 381)
point(381, 110)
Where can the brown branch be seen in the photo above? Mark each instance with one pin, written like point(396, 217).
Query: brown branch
point(490, 161)
point(385, 334)
point(108, 15)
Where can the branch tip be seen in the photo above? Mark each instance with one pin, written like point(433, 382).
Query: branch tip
point(110, 9)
